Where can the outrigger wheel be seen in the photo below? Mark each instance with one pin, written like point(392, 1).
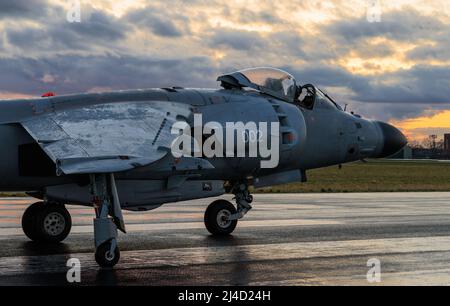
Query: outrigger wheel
point(217, 218)
point(46, 222)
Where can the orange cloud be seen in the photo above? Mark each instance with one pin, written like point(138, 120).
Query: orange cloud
point(420, 127)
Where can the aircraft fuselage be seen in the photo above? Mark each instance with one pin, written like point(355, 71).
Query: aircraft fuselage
point(309, 138)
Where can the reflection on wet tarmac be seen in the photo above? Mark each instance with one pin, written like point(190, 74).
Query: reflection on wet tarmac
point(285, 240)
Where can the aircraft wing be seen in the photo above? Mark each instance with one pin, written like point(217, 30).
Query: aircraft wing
point(106, 138)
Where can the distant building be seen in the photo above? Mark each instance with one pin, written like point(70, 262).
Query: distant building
point(447, 143)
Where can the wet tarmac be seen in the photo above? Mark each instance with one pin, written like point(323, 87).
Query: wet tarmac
point(287, 239)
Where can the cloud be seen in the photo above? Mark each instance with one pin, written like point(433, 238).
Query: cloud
point(235, 39)
point(58, 35)
point(161, 23)
point(418, 89)
point(440, 52)
point(421, 83)
point(392, 38)
point(400, 25)
point(324, 75)
point(244, 15)
point(21, 8)
point(388, 111)
point(438, 48)
point(99, 25)
point(73, 73)
point(402, 64)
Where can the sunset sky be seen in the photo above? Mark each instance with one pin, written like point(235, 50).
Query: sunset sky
point(396, 70)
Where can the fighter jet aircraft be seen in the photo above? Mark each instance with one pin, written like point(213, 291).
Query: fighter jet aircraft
point(138, 149)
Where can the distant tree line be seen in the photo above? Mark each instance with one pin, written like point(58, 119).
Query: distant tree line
point(429, 147)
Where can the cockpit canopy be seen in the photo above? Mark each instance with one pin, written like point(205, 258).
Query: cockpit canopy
point(271, 81)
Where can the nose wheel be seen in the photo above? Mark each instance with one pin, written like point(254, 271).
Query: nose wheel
point(108, 219)
point(217, 218)
point(107, 254)
point(221, 216)
point(46, 222)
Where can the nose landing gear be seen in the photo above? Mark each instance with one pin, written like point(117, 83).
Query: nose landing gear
point(217, 218)
point(106, 203)
point(107, 254)
point(221, 216)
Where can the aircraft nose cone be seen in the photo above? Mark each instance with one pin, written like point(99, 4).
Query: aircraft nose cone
point(394, 140)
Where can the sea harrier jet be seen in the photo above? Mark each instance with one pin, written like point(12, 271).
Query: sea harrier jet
point(138, 149)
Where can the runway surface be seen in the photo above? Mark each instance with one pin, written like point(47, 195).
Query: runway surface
point(287, 239)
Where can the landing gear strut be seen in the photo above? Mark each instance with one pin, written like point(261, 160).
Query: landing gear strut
point(106, 203)
point(243, 200)
point(46, 222)
point(221, 216)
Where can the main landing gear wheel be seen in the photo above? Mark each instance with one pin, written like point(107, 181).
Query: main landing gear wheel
point(46, 222)
point(217, 218)
point(105, 257)
point(28, 220)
